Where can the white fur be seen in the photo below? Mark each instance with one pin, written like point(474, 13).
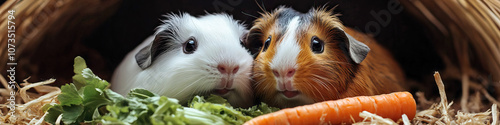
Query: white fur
point(181, 76)
point(287, 52)
point(286, 58)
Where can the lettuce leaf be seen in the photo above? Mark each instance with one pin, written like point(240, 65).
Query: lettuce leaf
point(219, 107)
point(258, 110)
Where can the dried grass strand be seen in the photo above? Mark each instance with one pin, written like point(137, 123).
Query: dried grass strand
point(370, 118)
point(406, 121)
point(444, 101)
point(494, 110)
point(23, 90)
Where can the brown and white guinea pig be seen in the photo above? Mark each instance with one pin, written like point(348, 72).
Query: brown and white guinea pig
point(190, 56)
point(302, 58)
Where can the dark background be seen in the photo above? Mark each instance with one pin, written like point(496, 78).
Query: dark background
point(135, 20)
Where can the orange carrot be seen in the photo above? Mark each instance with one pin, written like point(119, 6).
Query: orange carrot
point(343, 111)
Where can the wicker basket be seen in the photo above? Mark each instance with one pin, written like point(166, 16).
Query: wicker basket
point(49, 35)
point(467, 37)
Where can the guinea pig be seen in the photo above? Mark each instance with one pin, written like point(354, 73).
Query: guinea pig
point(190, 56)
point(303, 58)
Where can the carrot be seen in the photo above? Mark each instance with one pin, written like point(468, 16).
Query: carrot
point(346, 110)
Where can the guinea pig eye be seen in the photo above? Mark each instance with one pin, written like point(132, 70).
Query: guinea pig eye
point(189, 46)
point(317, 45)
point(266, 44)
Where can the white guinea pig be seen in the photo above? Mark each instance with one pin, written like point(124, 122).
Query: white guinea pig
point(190, 56)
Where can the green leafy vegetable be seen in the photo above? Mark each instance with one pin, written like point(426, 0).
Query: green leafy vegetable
point(78, 68)
point(89, 100)
point(69, 95)
point(54, 112)
point(71, 113)
point(144, 107)
point(79, 100)
point(219, 108)
point(258, 110)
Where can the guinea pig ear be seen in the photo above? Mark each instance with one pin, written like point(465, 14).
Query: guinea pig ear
point(243, 40)
point(148, 54)
point(357, 50)
point(254, 42)
point(143, 57)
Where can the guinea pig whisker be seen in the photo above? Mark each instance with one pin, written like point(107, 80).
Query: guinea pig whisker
point(317, 78)
point(188, 86)
point(241, 81)
point(254, 76)
point(191, 70)
point(323, 86)
point(261, 7)
point(261, 73)
point(333, 62)
point(261, 81)
point(321, 78)
point(313, 87)
point(250, 15)
point(257, 83)
point(323, 83)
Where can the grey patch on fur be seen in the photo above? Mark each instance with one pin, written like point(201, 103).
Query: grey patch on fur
point(162, 43)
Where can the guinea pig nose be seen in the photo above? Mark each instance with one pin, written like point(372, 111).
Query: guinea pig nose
point(288, 73)
point(224, 69)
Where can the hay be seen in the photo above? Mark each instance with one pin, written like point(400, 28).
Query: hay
point(442, 114)
point(439, 113)
point(370, 118)
point(28, 110)
point(467, 37)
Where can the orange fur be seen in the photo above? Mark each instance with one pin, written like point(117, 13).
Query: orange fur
point(329, 75)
